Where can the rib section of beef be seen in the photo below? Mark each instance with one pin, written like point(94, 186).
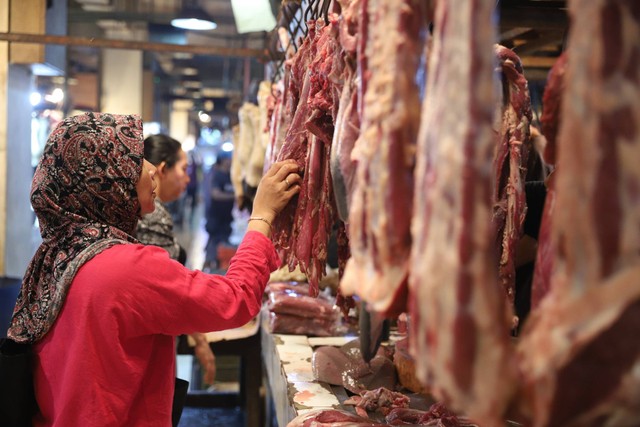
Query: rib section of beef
point(459, 329)
point(580, 355)
point(380, 207)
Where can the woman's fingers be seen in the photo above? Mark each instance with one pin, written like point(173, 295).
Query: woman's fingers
point(284, 168)
point(292, 179)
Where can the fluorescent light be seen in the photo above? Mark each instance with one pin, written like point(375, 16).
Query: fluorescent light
point(227, 146)
point(193, 24)
point(35, 98)
point(192, 17)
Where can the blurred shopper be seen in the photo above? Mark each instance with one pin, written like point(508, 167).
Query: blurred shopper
point(156, 228)
point(219, 213)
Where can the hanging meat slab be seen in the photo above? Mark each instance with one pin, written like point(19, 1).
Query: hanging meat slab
point(510, 165)
point(580, 355)
point(459, 327)
point(302, 230)
point(380, 208)
point(551, 102)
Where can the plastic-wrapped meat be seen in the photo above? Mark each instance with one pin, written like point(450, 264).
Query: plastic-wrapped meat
point(281, 323)
point(459, 318)
point(580, 356)
point(302, 305)
point(510, 165)
point(380, 210)
point(287, 287)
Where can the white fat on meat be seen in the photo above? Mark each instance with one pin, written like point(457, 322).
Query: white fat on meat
point(579, 353)
point(380, 210)
point(460, 336)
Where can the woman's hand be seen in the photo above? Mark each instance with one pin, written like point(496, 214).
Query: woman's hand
point(276, 188)
point(205, 357)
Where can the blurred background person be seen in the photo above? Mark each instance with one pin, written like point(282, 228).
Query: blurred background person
point(192, 194)
point(156, 228)
point(219, 216)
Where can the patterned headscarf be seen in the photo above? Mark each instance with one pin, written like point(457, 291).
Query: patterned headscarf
point(84, 194)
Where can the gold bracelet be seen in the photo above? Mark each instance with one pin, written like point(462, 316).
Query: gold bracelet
point(259, 218)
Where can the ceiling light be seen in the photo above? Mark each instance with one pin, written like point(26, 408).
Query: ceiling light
point(204, 117)
point(192, 17)
point(188, 71)
point(35, 98)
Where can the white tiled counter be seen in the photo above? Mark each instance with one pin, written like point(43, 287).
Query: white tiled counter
point(291, 387)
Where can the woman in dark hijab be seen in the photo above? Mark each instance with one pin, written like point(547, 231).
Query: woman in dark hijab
point(101, 309)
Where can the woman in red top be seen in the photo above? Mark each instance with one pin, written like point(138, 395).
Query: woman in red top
point(101, 309)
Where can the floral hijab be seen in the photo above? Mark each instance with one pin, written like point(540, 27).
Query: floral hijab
point(84, 194)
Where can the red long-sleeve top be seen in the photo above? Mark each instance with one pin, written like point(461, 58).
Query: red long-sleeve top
point(109, 359)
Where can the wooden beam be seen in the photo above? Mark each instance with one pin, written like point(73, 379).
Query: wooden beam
point(536, 74)
point(132, 45)
point(512, 33)
point(530, 17)
point(538, 61)
point(545, 39)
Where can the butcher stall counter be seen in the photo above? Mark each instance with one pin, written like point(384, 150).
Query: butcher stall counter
point(292, 389)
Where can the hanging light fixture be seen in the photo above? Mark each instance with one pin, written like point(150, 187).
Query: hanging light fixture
point(192, 17)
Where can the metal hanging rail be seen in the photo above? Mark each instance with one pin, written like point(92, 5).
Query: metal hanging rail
point(133, 45)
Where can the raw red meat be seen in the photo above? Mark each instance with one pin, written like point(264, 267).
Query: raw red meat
point(459, 329)
point(380, 208)
point(302, 230)
point(551, 118)
point(580, 355)
point(510, 165)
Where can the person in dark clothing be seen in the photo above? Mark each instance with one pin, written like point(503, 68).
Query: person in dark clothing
point(535, 192)
point(219, 212)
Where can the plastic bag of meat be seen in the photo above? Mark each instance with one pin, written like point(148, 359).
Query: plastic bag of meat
point(298, 304)
point(301, 288)
point(281, 323)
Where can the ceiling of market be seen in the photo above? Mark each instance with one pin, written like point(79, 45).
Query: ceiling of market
point(225, 80)
point(535, 29)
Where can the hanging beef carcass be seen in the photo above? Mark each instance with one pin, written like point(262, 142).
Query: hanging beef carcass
point(347, 124)
point(459, 327)
point(303, 228)
point(580, 353)
point(380, 209)
point(510, 163)
point(551, 102)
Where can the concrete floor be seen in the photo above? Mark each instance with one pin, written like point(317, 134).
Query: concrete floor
point(212, 417)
